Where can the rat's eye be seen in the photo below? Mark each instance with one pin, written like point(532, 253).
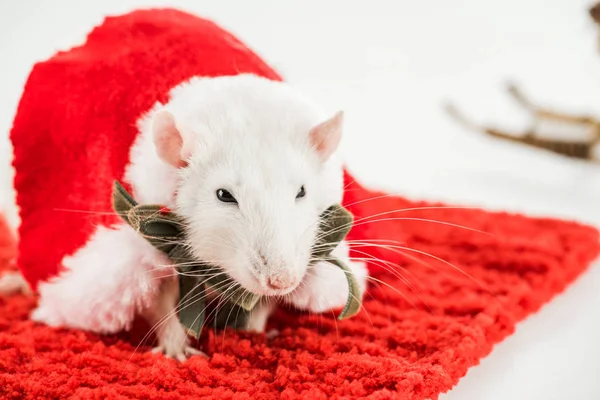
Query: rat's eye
point(225, 196)
point(301, 193)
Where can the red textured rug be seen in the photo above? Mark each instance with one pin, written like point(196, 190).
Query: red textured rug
point(424, 321)
point(440, 297)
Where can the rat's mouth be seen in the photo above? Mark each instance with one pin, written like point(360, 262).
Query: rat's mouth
point(280, 292)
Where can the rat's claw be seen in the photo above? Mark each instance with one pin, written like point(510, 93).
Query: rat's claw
point(272, 334)
point(191, 351)
point(180, 355)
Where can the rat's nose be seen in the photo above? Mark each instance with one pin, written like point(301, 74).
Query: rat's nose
point(279, 282)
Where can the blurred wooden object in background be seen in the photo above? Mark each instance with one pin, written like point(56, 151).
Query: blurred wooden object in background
point(545, 123)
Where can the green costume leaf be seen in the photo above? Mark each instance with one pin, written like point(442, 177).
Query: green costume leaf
point(165, 231)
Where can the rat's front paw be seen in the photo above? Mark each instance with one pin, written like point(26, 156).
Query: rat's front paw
point(325, 287)
point(174, 343)
point(180, 353)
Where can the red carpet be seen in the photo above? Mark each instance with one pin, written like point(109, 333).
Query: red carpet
point(425, 321)
point(409, 345)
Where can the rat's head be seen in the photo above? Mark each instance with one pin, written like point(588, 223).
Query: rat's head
point(257, 168)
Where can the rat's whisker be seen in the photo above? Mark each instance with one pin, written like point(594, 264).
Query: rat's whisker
point(195, 298)
point(366, 242)
point(204, 311)
point(382, 282)
point(385, 196)
point(346, 186)
point(373, 241)
point(365, 221)
point(415, 259)
point(223, 298)
point(325, 215)
point(460, 270)
point(184, 264)
point(91, 212)
point(229, 315)
point(197, 275)
point(390, 267)
point(219, 296)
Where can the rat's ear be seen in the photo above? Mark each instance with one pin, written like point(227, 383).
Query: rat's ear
point(326, 136)
point(168, 140)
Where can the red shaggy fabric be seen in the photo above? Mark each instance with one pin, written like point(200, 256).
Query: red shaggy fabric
point(440, 297)
point(421, 328)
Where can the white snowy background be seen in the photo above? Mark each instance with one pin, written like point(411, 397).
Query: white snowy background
point(390, 65)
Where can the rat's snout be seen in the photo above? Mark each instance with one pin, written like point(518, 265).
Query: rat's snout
point(282, 280)
point(280, 253)
point(276, 275)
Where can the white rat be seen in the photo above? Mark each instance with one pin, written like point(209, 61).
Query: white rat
point(251, 164)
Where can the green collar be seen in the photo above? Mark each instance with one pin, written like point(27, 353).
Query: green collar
point(165, 231)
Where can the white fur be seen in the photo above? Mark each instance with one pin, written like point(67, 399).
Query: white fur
point(325, 286)
point(114, 277)
point(250, 136)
